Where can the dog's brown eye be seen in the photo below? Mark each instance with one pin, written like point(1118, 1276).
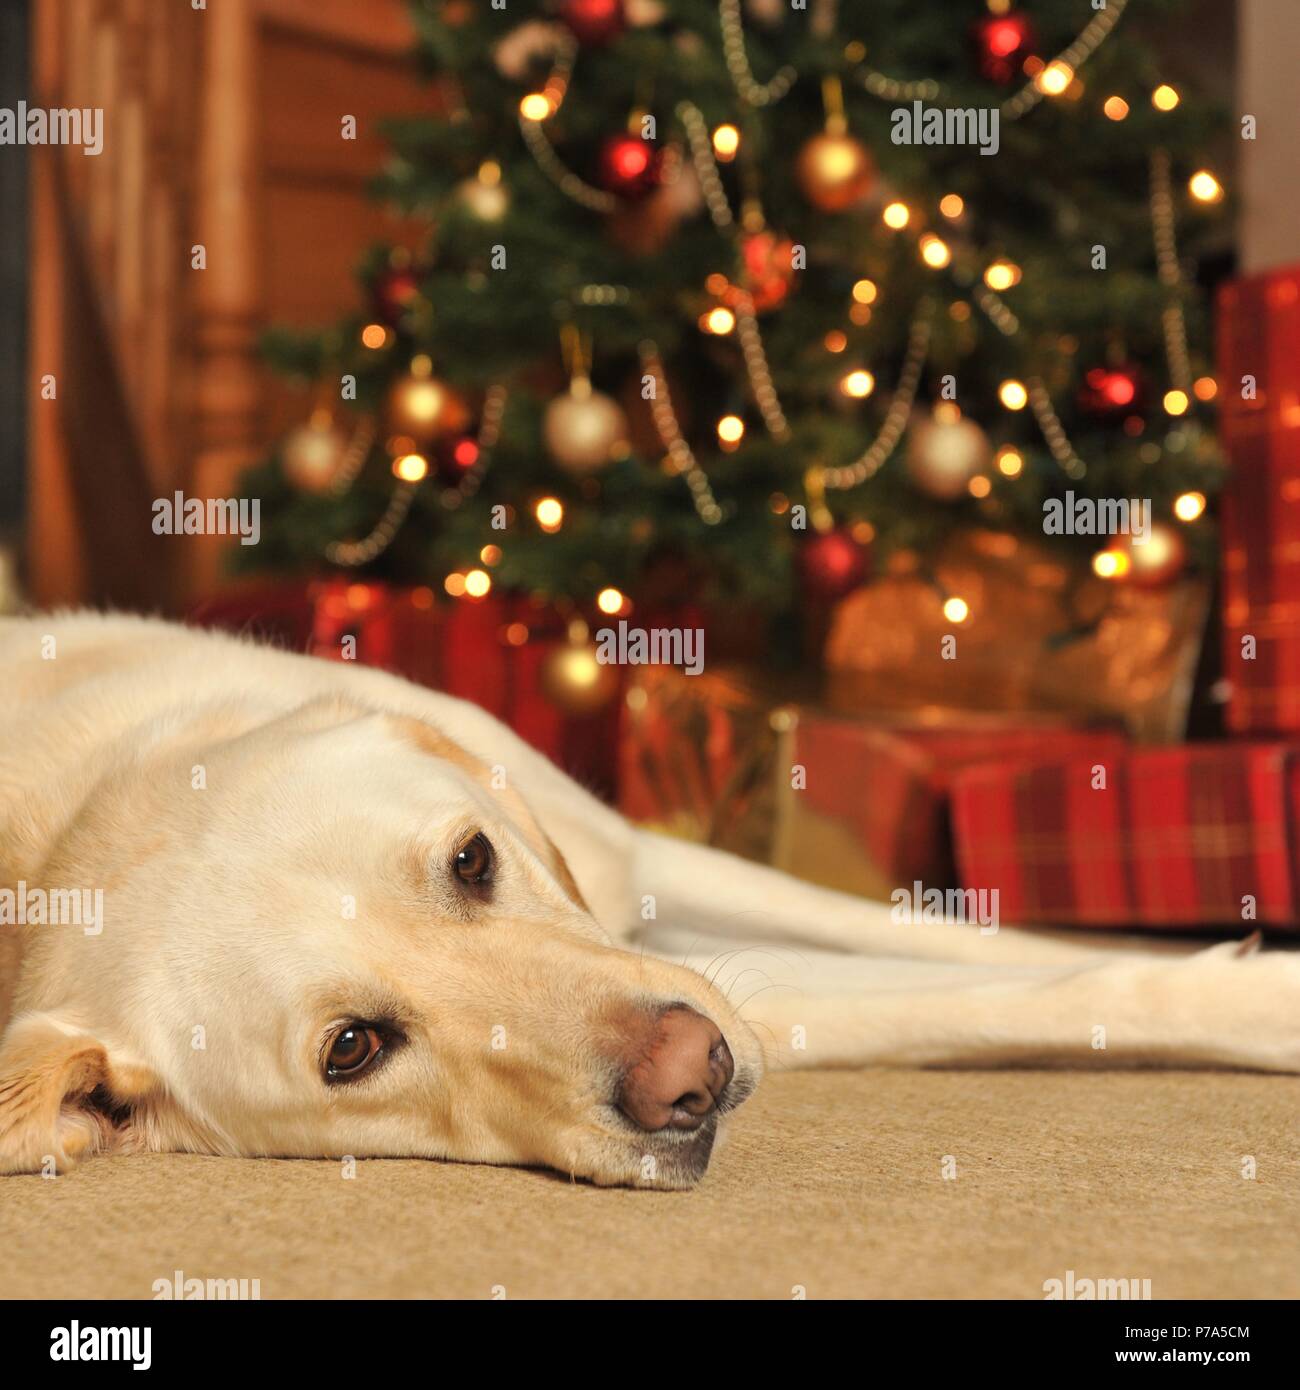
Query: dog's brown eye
point(353, 1050)
point(473, 862)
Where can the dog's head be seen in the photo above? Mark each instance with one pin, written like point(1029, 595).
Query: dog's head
point(339, 934)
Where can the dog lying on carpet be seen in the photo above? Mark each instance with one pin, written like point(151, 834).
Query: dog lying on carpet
point(342, 914)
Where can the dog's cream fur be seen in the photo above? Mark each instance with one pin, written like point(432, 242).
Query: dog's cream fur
point(272, 834)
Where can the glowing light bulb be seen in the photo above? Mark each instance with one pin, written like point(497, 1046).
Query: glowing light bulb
point(1055, 78)
point(719, 321)
point(1110, 564)
point(610, 600)
point(477, 583)
point(1002, 275)
point(1116, 108)
point(1176, 402)
point(726, 141)
point(858, 384)
point(1010, 461)
point(1204, 187)
point(956, 610)
point(896, 215)
point(1013, 395)
point(865, 291)
point(549, 512)
point(935, 252)
point(731, 429)
point(1189, 505)
point(1165, 98)
point(411, 468)
point(535, 107)
point(952, 206)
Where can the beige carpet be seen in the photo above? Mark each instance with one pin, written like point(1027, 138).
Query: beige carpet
point(830, 1181)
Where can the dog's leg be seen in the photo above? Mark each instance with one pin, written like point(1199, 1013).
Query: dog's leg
point(1227, 1006)
point(692, 888)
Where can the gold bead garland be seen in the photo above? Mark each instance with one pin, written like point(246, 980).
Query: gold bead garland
point(897, 413)
point(354, 456)
point(539, 146)
point(489, 431)
point(706, 168)
point(354, 553)
point(559, 173)
point(889, 89)
point(1162, 230)
point(750, 91)
point(669, 430)
point(1054, 435)
point(760, 374)
point(1040, 401)
point(996, 311)
point(369, 547)
point(751, 340)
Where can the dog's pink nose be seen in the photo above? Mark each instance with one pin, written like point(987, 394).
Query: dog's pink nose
point(678, 1080)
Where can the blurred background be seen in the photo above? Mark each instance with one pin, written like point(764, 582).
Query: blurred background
point(518, 324)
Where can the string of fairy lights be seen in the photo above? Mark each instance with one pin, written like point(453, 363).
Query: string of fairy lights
point(1057, 77)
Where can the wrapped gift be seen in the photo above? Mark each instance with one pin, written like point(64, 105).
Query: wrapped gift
point(736, 760)
point(1259, 369)
point(872, 813)
point(1178, 837)
point(1044, 636)
point(697, 754)
point(493, 651)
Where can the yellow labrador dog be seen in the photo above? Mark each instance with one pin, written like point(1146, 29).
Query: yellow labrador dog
point(256, 903)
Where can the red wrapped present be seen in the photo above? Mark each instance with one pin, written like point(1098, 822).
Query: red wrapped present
point(874, 813)
point(493, 651)
point(1197, 836)
point(1259, 372)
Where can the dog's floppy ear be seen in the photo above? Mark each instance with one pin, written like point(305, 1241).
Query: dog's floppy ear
point(59, 1092)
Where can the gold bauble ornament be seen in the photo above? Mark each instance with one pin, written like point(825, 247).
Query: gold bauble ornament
point(1157, 561)
point(835, 171)
point(312, 454)
point(422, 406)
point(574, 678)
point(584, 429)
point(944, 452)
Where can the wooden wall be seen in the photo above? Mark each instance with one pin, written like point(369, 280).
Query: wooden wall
point(222, 128)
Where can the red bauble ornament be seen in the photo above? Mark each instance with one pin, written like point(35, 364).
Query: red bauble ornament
point(629, 166)
point(393, 292)
point(1113, 391)
point(769, 271)
point(832, 564)
point(1002, 43)
point(594, 22)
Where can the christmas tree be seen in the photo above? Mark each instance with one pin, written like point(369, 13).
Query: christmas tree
point(745, 297)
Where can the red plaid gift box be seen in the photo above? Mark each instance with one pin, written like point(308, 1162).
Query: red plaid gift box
point(1259, 342)
point(874, 813)
point(1178, 837)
